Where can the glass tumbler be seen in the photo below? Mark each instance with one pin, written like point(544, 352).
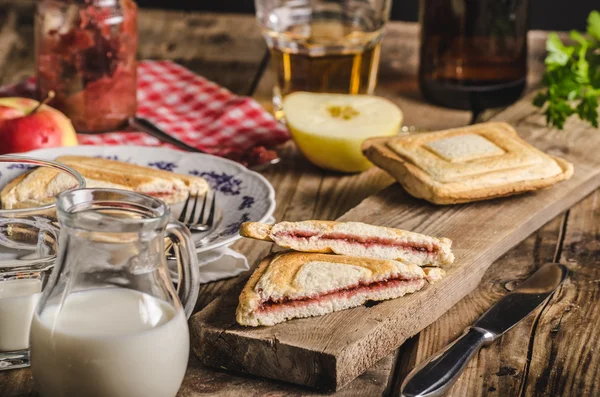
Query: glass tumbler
point(19, 295)
point(323, 45)
point(28, 247)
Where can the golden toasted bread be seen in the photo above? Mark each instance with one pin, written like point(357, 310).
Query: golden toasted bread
point(40, 186)
point(354, 239)
point(466, 164)
point(294, 285)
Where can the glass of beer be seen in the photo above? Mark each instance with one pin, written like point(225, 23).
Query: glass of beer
point(323, 45)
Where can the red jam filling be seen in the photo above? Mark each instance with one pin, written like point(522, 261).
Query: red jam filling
point(302, 234)
point(257, 155)
point(348, 292)
point(366, 241)
point(160, 194)
point(90, 64)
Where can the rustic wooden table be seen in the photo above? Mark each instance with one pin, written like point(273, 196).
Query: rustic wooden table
point(550, 353)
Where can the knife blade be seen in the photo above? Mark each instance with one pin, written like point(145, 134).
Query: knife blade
point(438, 373)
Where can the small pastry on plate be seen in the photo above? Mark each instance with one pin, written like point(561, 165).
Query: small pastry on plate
point(460, 165)
point(295, 285)
point(354, 239)
point(40, 186)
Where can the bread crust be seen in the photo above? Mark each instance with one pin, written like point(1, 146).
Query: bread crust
point(136, 177)
point(280, 276)
point(10, 186)
point(317, 230)
point(171, 188)
point(35, 188)
point(249, 299)
point(256, 230)
point(421, 184)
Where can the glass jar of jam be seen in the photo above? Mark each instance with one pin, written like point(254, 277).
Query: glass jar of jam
point(86, 54)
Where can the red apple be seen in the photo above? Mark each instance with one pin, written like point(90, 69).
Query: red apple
point(22, 131)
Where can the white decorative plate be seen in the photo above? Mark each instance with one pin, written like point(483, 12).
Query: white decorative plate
point(242, 195)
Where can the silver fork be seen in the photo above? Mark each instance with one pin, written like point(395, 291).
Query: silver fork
point(198, 225)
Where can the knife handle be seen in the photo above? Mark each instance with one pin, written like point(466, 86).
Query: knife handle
point(437, 374)
point(149, 128)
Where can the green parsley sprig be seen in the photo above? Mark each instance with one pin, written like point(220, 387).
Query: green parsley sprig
point(572, 76)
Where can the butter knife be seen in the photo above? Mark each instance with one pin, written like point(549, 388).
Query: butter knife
point(150, 128)
point(437, 374)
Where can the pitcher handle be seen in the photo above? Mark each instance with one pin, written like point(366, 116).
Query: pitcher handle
point(188, 284)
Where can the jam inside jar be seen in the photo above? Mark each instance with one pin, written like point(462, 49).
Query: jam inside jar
point(86, 54)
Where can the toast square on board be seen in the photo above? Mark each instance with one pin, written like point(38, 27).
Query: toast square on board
point(460, 148)
point(466, 164)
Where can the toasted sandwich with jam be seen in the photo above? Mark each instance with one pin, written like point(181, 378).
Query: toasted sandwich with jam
point(40, 186)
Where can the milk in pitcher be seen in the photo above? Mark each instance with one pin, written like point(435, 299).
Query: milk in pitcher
point(109, 342)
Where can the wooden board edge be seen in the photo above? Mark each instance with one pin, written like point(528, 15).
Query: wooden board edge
point(345, 368)
point(323, 365)
point(371, 350)
point(348, 356)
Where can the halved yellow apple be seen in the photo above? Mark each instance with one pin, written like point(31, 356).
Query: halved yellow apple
point(330, 128)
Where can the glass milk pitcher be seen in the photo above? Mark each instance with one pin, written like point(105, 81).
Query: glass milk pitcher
point(109, 322)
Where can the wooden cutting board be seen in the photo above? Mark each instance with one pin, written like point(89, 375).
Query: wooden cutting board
point(328, 352)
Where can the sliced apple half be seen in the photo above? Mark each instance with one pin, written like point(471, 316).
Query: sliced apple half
point(330, 128)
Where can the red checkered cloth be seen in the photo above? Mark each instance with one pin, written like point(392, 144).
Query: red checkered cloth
point(189, 107)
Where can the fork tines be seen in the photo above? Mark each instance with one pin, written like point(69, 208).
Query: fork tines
point(205, 220)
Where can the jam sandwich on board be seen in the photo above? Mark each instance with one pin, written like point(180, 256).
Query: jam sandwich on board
point(328, 352)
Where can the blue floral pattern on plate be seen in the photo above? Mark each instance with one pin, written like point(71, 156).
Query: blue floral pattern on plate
point(20, 167)
point(116, 158)
point(247, 202)
point(163, 165)
point(241, 195)
point(225, 183)
point(235, 226)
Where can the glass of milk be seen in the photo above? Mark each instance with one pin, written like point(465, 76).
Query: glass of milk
point(110, 322)
point(19, 295)
point(28, 246)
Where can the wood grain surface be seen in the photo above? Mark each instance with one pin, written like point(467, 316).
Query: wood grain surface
point(499, 369)
point(327, 352)
point(303, 191)
point(563, 359)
